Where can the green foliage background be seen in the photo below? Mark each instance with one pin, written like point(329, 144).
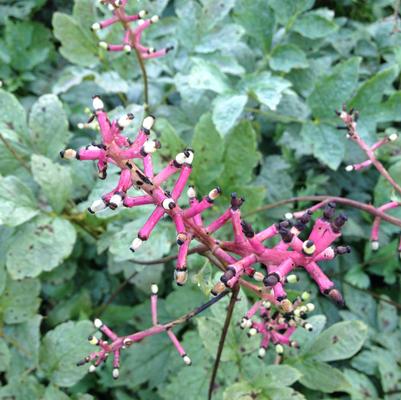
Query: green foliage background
point(253, 85)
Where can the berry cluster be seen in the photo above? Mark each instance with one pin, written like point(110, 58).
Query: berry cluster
point(291, 252)
point(240, 255)
point(132, 37)
point(119, 343)
point(275, 327)
point(350, 120)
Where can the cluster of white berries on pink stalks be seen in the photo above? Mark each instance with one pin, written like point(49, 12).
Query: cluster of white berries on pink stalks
point(350, 119)
point(132, 36)
point(239, 257)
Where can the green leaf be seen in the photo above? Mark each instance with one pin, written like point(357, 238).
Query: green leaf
point(49, 126)
point(22, 387)
point(172, 144)
point(206, 76)
point(214, 11)
point(19, 301)
point(157, 246)
point(84, 12)
point(209, 148)
point(339, 342)
point(75, 45)
point(211, 42)
point(276, 177)
point(277, 376)
point(327, 145)
point(322, 377)
point(19, 8)
point(241, 155)
point(361, 303)
point(25, 339)
point(144, 361)
point(13, 115)
point(314, 26)
point(269, 387)
point(285, 57)
point(17, 202)
point(4, 356)
point(362, 387)
point(266, 88)
point(333, 90)
point(241, 391)
point(62, 348)
point(54, 179)
point(390, 372)
point(258, 20)
point(386, 316)
point(227, 108)
point(29, 255)
point(29, 44)
point(53, 393)
point(287, 11)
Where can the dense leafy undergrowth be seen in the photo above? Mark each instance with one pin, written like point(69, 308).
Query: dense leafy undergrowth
point(252, 85)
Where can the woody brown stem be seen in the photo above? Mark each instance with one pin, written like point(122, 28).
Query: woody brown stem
point(120, 14)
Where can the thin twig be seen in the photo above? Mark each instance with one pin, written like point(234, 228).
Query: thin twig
point(121, 15)
point(341, 200)
point(223, 336)
point(197, 310)
point(350, 120)
point(14, 153)
point(145, 79)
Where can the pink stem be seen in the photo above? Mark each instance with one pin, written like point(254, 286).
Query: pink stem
point(198, 208)
point(91, 154)
point(179, 223)
point(362, 165)
point(108, 22)
point(374, 235)
point(148, 166)
point(182, 255)
point(319, 277)
point(115, 47)
point(176, 343)
point(147, 229)
point(239, 237)
point(279, 292)
point(219, 222)
point(253, 310)
point(116, 360)
point(156, 54)
point(267, 233)
point(108, 332)
point(153, 302)
point(137, 201)
point(181, 181)
point(166, 173)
